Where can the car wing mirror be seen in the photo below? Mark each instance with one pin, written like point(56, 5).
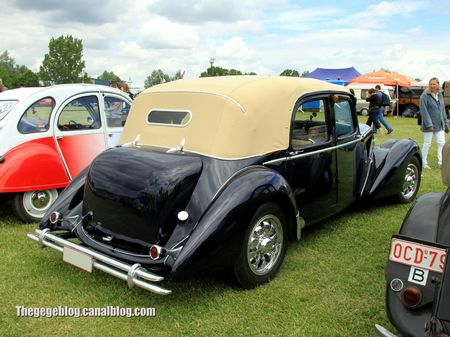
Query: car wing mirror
point(446, 164)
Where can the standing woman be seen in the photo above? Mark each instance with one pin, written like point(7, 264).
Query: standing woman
point(434, 120)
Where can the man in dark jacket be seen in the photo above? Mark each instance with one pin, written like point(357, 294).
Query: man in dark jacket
point(374, 107)
point(381, 111)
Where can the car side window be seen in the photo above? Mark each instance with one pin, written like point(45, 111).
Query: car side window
point(37, 117)
point(343, 117)
point(116, 111)
point(82, 113)
point(309, 125)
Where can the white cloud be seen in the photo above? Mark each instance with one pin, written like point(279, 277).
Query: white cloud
point(300, 19)
point(234, 48)
point(160, 33)
point(195, 11)
point(379, 15)
point(264, 36)
point(390, 8)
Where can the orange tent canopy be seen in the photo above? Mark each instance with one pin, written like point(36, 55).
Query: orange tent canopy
point(383, 77)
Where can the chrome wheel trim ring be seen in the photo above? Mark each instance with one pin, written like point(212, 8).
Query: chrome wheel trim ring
point(265, 244)
point(36, 203)
point(411, 181)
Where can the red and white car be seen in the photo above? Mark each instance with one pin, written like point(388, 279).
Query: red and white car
point(49, 134)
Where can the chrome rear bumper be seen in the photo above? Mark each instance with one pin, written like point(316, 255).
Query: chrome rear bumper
point(382, 332)
point(135, 275)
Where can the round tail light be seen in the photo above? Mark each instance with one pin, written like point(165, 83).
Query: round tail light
point(54, 217)
point(155, 252)
point(411, 297)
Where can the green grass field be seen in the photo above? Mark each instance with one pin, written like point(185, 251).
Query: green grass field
point(331, 282)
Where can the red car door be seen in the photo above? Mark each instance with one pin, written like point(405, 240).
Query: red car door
point(79, 132)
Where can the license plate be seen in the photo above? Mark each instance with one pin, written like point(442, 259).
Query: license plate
point(77, 259)
point(417, 255)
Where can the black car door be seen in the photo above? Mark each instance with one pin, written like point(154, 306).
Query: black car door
point(311, 167)
point(346, 140)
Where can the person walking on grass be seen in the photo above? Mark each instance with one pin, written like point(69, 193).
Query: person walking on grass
point(384, 102)
point(434, 120)
point(374, 105)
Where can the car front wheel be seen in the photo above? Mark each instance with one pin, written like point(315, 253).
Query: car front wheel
point(31, 206)
point(411, 182)
point(263, 249)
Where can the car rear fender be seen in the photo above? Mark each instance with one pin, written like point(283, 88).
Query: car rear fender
point(32, 165)
point(421, 223)
point(390, 161)
point(217, 237)
point(68, 202)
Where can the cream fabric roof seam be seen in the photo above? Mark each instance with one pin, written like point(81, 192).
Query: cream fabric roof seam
point(199, 92)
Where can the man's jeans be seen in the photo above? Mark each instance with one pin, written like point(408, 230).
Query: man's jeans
point(382, 120)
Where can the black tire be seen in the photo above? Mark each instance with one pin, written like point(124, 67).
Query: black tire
point(258, 262)
point(31, 206)
point(411, 182)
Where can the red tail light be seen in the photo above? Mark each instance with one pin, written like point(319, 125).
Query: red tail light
point(54, 217)
point(155, 252)
point(411, 297)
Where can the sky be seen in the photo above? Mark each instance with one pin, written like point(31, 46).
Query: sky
point(133, 38)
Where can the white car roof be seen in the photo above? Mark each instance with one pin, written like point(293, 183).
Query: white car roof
point(18, 94)
point(23, 93)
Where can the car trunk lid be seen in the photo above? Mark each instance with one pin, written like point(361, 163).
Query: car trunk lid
point(135, 195)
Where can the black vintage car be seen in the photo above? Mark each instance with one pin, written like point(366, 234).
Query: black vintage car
point(418, 270)
point(217, 174)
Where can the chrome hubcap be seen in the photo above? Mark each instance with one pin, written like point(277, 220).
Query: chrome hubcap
point(40, 199)
point(411, 181)
point(264, 244)
point(36, 203)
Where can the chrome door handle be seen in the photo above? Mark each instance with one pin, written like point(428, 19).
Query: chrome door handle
point(59, 137)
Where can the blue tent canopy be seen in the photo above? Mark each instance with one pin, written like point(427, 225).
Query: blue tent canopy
point(333, 75)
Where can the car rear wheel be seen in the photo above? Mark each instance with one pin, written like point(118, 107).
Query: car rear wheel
point(364, 112)
point(411, 182)
point(263, 249)
point(31, 206)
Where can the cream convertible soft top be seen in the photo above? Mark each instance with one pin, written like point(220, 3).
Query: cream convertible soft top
point(232, 117)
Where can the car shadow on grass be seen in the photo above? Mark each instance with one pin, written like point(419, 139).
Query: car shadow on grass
point(7, 216)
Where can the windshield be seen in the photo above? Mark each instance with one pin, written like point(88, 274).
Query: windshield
point(5, 107)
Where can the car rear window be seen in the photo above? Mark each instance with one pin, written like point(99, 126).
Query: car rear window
point(36, 118)
point(169, 117)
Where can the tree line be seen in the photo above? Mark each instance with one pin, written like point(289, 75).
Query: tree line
point(64, 64)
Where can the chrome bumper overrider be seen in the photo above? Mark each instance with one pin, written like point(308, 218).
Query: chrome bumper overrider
point(382, 332)
point(134, 274)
